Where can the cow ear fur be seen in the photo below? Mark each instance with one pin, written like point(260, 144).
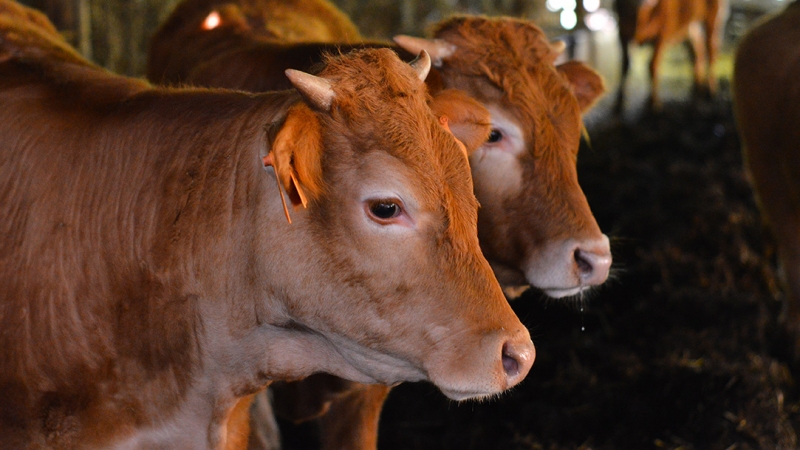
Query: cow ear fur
point(468, 120)
point(296, 157)
point(587, 84)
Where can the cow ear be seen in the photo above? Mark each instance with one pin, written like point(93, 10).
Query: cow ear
point(468, 120)
point(296, 157)
point(587, 84)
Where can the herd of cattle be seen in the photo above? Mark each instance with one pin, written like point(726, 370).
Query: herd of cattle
point(289, 205)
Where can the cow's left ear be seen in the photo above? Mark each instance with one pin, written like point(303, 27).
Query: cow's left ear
point(587, 84)
point(296, 157)
point(467, 119)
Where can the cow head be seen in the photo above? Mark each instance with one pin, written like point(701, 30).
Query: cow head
point(535, 224)
point(385, 281)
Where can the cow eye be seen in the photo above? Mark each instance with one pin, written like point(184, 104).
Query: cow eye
point(384, 209)
point(495, 136)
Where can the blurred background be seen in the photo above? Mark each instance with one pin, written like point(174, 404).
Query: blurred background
point(115, 33)
point(682, 348)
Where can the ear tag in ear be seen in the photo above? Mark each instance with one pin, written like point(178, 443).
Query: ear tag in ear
point(445, 122)
point(269, 163)
point(299, 190)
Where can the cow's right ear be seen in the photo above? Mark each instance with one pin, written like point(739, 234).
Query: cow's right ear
point(296, 157)
point(587, 85)
point(468, 120)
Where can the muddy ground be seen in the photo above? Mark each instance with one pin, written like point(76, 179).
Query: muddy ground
point(682, 349)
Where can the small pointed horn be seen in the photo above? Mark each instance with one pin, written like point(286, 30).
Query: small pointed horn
point(558, 46)
point(438, 49)
point(422, 64)
point(317, 90)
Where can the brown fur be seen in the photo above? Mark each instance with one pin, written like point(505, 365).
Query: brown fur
point(766, 87)
point(150, 281)
point(503, 62)
point(665, 23)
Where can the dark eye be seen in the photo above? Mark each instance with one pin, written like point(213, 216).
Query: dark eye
point(384, 209)
point(495, 136)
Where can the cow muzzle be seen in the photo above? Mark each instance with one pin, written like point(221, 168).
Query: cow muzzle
point(570, 267)
point(499, 363)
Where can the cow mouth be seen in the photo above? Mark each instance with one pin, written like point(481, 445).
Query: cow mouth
point(564, 292)
point(459, 395)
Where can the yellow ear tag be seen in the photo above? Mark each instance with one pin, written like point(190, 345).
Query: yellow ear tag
point(300, 193)
point(445, 122)
point(268, 162)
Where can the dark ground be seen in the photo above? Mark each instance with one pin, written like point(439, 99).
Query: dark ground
point(681, 350)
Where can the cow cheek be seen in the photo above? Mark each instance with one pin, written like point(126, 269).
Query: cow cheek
point(497, 178)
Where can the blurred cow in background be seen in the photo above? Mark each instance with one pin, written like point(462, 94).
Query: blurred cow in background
point(665, 23)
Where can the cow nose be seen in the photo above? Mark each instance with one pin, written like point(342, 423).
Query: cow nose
point(518, 356)
point(593, 261)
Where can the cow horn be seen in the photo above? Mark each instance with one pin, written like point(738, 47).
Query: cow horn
point(558, 46)
point(317, 90)
point(438, 49)
point(422, 64)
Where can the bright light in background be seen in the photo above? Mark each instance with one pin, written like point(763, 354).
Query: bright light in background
point(591, 5)
point(212, 21)
point(568, 19)
point(600, 20)
point(567, 7)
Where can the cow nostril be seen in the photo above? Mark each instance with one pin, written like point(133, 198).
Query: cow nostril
point(510, 364)
point(584, 266)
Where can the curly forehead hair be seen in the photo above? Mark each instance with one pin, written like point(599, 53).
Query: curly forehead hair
point(362, 76)
point(491, 44)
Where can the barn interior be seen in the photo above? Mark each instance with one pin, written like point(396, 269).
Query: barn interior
point(683, 348)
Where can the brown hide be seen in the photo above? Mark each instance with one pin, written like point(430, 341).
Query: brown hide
point(288, 22)
point(150, 279)
point(766, 87)
point(665, 23)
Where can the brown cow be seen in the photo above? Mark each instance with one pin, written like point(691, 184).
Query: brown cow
point(150, 280)
point(535, 225)
point(665, 23)
point(766, 88)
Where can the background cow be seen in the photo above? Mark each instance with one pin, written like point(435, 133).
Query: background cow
point(535, 224)
point(766, 86)
point(151, 281)
point(665, 23)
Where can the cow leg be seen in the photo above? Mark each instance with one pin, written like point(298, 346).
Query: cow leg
point(655, 62)
point(352, 420)
point(698, 45)
point(264, 431)
point(714, 25)
point(238, 424)
point(623, 76)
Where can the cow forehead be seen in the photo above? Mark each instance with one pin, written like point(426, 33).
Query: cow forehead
point(370, 79)
point(510, 62)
